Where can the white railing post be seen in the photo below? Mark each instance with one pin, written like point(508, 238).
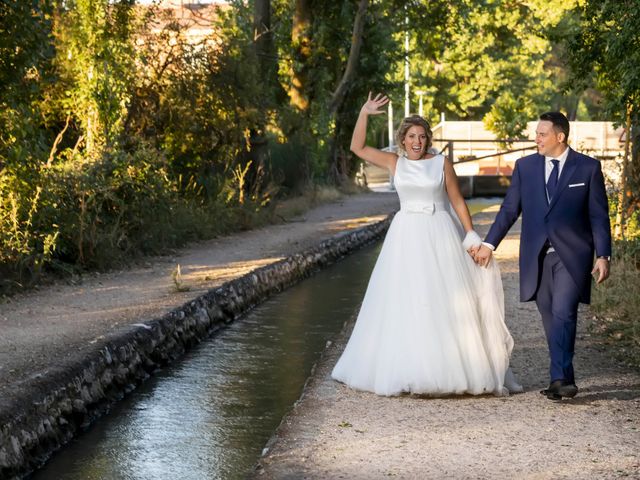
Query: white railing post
point(390, 124)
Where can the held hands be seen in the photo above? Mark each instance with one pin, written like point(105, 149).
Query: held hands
point(371, 107)
point(480, 253)
point(602, 268)
point(483, 256)
point(471, 243)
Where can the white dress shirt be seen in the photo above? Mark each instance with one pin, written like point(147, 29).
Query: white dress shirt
point(548, 166)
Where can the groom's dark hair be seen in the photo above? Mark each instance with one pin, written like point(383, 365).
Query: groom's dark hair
point(560, 122)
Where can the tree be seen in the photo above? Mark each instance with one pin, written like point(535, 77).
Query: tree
point(605, 49)
point(301, 43)
point(268, 70)
point(354, 56)
point(486, 60)
point(26, 55)
point(96, 63)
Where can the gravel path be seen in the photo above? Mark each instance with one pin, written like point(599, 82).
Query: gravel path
point(47, 326)
point(335, 432)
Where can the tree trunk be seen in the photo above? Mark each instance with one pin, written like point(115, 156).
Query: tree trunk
point(354, 55)
point(268, 71)
point(263, 42)
point(633, 168)
point(301, 42)
point(339, 165)
point(619, 230)
point(299, 91)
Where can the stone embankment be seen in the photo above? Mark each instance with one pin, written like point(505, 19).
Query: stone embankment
point(52, 408)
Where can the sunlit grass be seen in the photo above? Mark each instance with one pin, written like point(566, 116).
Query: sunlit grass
point(475, 207)
point(616, 303)
point(314, 196)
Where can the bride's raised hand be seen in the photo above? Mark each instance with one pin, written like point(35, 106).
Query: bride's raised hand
point(372, 105)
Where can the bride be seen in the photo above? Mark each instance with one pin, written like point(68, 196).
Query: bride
point(432, 321)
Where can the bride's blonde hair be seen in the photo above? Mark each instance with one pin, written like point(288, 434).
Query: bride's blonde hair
point(407, 123)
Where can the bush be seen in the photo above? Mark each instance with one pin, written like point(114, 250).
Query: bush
point(98, 214)
point(24, 249)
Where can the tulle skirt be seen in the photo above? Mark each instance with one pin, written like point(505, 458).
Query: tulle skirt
point(432, 321)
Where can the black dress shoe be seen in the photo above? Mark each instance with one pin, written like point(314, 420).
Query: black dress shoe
point(559, 389)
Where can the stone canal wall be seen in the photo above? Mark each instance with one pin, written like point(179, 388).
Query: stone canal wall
point(70, 397)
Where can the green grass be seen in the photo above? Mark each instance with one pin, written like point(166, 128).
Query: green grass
point(616, 303)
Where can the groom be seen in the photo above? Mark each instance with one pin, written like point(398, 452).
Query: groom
point(565, 219)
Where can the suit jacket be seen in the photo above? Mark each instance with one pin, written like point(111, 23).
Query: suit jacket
point(576, 222)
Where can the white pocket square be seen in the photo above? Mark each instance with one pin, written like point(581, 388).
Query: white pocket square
point(576, 185)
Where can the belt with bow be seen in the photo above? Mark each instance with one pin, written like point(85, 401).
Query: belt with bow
point(422, 207)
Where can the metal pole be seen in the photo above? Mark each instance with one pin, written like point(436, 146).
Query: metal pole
point(407, 106)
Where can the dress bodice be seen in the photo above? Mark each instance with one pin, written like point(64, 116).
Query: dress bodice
point(420, 184)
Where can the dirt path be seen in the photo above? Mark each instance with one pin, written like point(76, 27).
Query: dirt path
point(46, 326)
point(335, 432)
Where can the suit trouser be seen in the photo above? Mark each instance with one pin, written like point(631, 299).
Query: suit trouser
point(557, 299)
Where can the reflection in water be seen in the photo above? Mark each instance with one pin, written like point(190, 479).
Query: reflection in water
point(209, 415)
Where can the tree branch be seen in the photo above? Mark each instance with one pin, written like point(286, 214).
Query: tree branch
point(354, 54)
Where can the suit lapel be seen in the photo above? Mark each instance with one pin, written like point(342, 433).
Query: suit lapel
point(567, 172)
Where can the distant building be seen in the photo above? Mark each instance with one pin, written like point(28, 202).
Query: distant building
point(195, 20)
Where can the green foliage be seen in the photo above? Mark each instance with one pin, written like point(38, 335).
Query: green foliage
point(95, 61)
point(486, 60)
point(103, 207)
point(508, 116)
point(26, 52)
point(100, 213)
point(155, 153)
point(196, 102)
point(121, 135)
point(604, 48)
point(25, 49)
point(320, 67)
point(24, 249)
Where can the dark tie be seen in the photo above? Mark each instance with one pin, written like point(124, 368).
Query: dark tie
point(552, 183)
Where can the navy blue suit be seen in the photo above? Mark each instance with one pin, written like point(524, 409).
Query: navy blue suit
point(576, 224)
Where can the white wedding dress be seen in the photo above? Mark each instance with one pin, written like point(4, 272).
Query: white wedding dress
point(432, 321)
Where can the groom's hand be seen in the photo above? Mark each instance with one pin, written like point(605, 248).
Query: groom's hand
point(602, 268)
point(483, 256)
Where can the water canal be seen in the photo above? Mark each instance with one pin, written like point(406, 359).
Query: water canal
point(209, 415)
